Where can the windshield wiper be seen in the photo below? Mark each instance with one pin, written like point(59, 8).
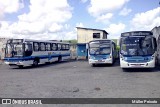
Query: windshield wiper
point(98, 49)
point(96, 52)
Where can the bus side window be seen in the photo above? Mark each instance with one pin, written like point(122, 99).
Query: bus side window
point(36, 46)
point(67, 47)
point(54, 47)
point(48, 47)
point(42, 46)
point(28, 49)
point(59, 47)
point(63, 47)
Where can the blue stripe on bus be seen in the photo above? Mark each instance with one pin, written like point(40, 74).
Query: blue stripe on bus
point(139, 59)
point(99, 57)
point(136, 56)
point(32, 57)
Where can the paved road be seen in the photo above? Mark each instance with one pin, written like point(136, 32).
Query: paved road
point(77, 79)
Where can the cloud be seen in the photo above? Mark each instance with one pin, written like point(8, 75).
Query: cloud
point(84, 1)
point(101, 8)
point(55, 27)
point(146, 20)
point(104, 18)
point(45, 17)
point(125, 11)
point(79, 24)
point(71, 35)
point(115, 30)
point(10, 6)
point(4, 25)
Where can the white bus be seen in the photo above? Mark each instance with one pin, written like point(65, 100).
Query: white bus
point(101, 52)
point(23, 52)
point(137, 49)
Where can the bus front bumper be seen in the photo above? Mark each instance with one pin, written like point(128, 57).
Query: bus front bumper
point(13, 63)
point(150, 64)
point(103, 61)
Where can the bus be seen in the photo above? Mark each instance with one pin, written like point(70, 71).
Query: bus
point(101, 52)
point(137, 49)
point(25, 52)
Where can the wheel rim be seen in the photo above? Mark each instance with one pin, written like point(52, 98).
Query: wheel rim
point(59, 59)
point(35, 63)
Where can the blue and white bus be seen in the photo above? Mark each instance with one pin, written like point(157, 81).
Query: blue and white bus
point(137, 49)
point(24, 52)
point(101, 52)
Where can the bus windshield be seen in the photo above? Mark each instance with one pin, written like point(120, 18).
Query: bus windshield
point(135, 46)
point(97, 48)
point(14, 50)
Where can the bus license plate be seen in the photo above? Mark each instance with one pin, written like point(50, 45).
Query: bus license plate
point(137, 65)
point(100, 61)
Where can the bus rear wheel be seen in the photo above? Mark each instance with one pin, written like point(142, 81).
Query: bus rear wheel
point(59, 59)
point(35, 63)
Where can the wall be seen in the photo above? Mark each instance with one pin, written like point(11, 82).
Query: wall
point(156, 33)
point(104, 35)
point(84, 35)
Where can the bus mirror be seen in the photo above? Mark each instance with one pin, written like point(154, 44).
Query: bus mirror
point(155, 43)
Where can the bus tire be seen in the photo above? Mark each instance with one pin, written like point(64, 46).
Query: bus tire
point(124, 69)
point(20, 66)
point(35, 63)
point(59, 58)
point(112, 62)
point(156, 62)
point(93, 65)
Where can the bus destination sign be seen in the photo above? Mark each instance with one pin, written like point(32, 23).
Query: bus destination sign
point(137, 33)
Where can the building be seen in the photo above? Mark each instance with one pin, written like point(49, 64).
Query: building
point(156, 33)
point(84, 35)
point(2, 47)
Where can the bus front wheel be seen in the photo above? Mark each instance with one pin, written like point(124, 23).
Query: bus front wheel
point(20, 66)
point(93, 65)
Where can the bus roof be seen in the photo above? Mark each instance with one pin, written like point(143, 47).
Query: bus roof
point(102, 40)
point(136, 33)
point(47, 41)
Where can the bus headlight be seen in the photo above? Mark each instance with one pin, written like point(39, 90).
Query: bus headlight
point(145, 59)
point(152, 57)
point(92, 57)
point(121, 57)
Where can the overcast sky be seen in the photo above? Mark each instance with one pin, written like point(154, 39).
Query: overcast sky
point(58, 19)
